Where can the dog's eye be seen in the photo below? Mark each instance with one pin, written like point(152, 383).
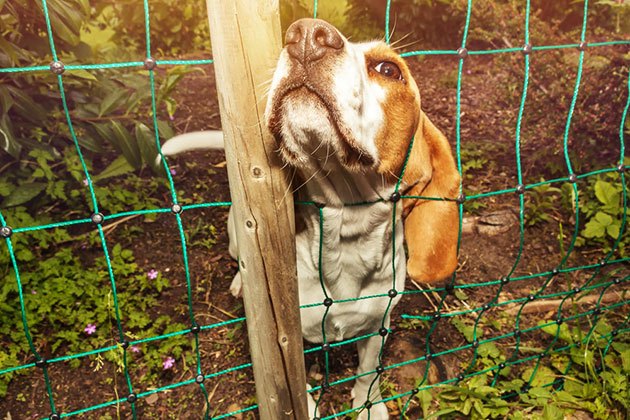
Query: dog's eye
point(389, 70)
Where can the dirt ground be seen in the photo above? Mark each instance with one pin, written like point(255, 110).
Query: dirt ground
point(489, 251)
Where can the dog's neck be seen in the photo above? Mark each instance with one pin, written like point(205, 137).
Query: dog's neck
point(340, 187)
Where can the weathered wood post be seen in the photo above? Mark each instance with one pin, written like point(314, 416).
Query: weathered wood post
point(246, 43)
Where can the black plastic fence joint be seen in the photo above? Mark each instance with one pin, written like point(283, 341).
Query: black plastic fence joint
point(200, 378)
point(124, 344)
point(462, 53)
point(150, 63)
point(392, 293)
point(5, 232)
point(325, 387)
point(502, 365)
point(520, 189)
point(132, 398)
point(475, 344)
point(614, 333)
point(582, 46)
point(617, 280)
point(326, 347)
point(383, 331)
point(573, 178)
point(380, 370)
point(57, 67)
point(603, 263)
point(395, 197)
point(55, 416)
point(328, 302)
point(368, 404)
point(460, 377)
point(543, 355)
point(576, 290)
point(437, 316)
point(525, 388)
point(319, 205)
point(621, 168)
point(555, 271)
point(486, 307)
point(195, 329)
point(97, 218)
point(531, 298)
point(527, 49)
point(597, 311)
point(429, 356)
point(414, 391)
point(461, 198)
point(517, 333)
point(177, 209)
point(505, 280)
point(41, 363)
point(559, 320)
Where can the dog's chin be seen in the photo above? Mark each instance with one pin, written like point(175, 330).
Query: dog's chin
point(309, 134)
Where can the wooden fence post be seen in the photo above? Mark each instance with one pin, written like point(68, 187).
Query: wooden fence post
point(246, 43)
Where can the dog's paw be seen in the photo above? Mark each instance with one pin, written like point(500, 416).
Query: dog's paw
point(236, 288)
point(312, 407)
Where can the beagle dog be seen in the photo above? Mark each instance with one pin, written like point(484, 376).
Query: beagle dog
point(347, 119)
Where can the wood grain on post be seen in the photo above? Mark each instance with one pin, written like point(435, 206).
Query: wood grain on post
point(246, 43)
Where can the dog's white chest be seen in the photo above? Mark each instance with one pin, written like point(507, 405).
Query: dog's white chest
point(345, 254)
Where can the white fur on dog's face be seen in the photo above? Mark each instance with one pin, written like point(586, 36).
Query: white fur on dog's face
point(340, 108)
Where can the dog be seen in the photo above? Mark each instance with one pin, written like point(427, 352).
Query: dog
point(348, 121)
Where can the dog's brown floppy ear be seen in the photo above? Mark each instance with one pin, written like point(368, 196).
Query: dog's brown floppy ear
point(431, 226)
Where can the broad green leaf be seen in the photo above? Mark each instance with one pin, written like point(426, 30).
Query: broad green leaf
point(112, 102)
point(26, 107)
point(127, 144)
point(603, 218)
point(606, 193)
point(83, 74)
point(119, 166)
point(24, 194)
point(146, 143)
point(594, 229)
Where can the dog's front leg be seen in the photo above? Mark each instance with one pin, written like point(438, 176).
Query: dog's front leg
point(368, 361)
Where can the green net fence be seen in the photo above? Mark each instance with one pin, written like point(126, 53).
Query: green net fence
point(598, 279)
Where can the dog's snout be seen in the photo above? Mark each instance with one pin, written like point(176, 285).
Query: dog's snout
point(309, 40)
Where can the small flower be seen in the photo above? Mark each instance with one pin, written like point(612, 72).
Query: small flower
point(90, 329)
point(171, 117)
point(135, 349)
point(85, 182)
point(152, 274)
point(33, 292)
point(168, 363)
point(173, 171)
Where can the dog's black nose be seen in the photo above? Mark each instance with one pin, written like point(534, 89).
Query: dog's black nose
point(309, 40)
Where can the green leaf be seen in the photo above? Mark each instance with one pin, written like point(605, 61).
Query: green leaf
point(113, 101)
point(119, 166)
point(24, 194)
point(26, 107)
point(146, 143)
point(606, 193)
point(127, 145)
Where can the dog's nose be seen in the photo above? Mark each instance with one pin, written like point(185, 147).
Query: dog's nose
point(309, 40)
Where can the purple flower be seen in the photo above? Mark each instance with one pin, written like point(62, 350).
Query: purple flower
point(85, 182)
point(33, 292)
point(152, 274)
point(173, 171)
point(171, 117)
point(168, 363)
point(135, 349)
point(90, 329)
